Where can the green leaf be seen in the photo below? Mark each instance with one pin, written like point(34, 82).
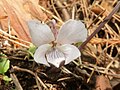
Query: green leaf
point(32, 49)
point(78, 44)
point(4, 64)
point(6, 78)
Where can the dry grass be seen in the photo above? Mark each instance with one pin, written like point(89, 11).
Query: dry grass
point(100, 55)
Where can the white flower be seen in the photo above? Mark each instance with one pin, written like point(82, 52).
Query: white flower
point(52, 49)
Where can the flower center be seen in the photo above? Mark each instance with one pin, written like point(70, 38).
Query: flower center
point(53, 44)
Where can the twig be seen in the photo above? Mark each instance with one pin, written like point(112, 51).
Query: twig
point(52, 2)
point(38, 84)
point(96, 19)
point(91, 74)
point(114, 16)
point(116, 8)
point(106, 25)
point(73, 12)
point(6, 34)
point(97, 69)
point(15, 41)
point(107, 48)
point(50, 14)
point(26, 70)
point(16, 82)
point(100, 40)
point(65, 70)
point(64, 10)
point(84, 8)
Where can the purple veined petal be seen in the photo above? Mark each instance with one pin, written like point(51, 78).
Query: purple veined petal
point(40, 33)
point(72, 31)
point(71, 52)
point(39, 55)
point(55, 57)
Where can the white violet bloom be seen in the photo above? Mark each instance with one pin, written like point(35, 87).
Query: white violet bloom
point(56, 49)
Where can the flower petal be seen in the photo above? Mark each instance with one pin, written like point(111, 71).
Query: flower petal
point(39, 55)
point(71, 52)
point(40, 33)
point(55, 57)
point(71, 32)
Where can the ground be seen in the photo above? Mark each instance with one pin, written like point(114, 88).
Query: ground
point(100, 53)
